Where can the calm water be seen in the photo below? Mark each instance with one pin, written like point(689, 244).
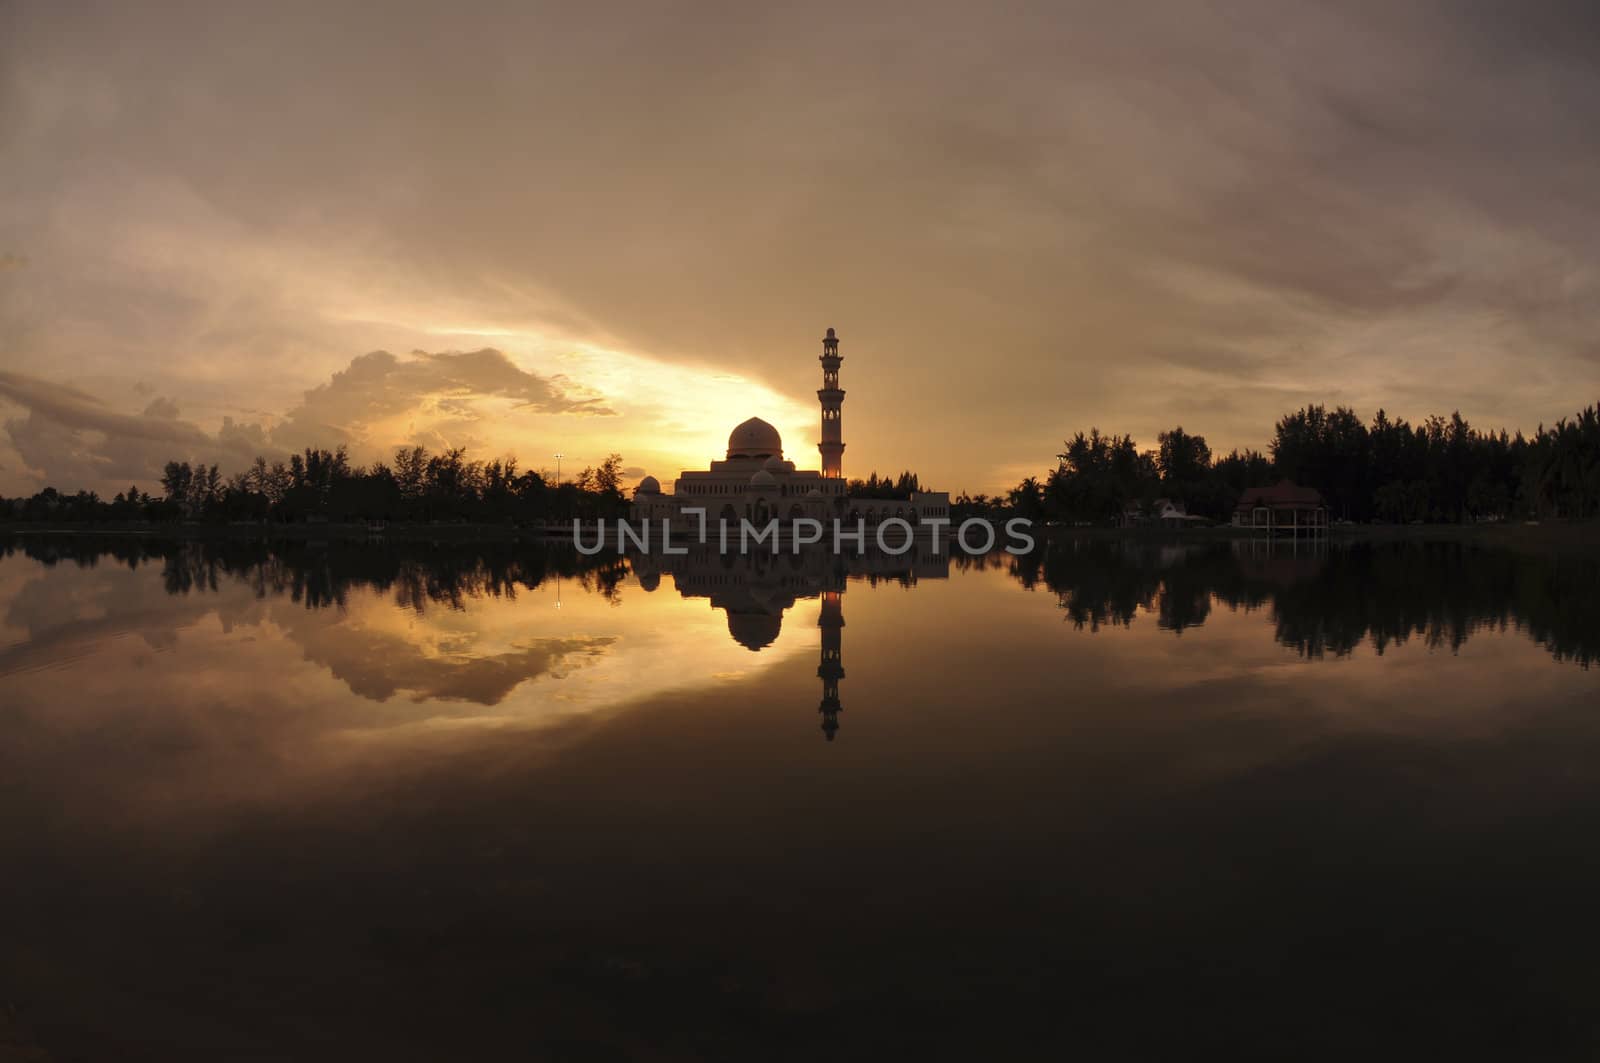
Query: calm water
point(377, 801)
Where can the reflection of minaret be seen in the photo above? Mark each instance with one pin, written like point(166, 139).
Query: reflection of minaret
point(832, 400)
point(831, 669)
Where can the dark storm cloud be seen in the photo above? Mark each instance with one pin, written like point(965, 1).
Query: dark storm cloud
point(1024, 211)
point(76, 440)
point(73, 409)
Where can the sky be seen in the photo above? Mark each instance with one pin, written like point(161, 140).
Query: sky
point(578, 229)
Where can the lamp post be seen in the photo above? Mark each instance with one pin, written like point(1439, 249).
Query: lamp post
point(558, 469)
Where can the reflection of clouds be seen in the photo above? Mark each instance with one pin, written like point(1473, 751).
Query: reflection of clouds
point(378, 667)
point(261, 703)
point(233, 684)
point(59, 614)
point(379, 641)
point(371, 625)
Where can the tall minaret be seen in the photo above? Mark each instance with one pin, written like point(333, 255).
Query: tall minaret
point(832, 399)
point(831, 668)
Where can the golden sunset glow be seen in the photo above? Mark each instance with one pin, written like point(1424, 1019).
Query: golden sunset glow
point(1093, 218)
point(832, 531)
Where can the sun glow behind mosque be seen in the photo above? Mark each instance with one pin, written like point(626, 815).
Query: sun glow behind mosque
point(668, 416)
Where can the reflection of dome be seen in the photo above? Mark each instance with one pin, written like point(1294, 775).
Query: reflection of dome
point(754, 631)
point(649, 486)
point(755, 439)
point(763, 478)
point(649, 580)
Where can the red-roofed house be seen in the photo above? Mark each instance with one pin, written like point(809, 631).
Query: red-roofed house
point(1284, 506)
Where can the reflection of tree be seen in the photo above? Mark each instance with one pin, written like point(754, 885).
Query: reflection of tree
point(1329, 601)
point(322, 574)
point(1326, 601)
point(1103, 584)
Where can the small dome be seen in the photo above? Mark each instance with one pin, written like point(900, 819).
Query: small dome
point(813, 493)
point(648, 486)
point(755, 438)
point(776, 464)
point(763, 478)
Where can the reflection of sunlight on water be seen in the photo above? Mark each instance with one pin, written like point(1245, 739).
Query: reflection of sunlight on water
point(459, 788)
point(261, 676)
point(498, 660)
point(590, 656)
point(186, 704)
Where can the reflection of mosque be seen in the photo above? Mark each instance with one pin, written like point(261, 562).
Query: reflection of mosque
point(831, 668)
point(755, 590)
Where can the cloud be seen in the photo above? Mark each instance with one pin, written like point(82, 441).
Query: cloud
point(71, 408)
point(165, 409)
point(379, 387)
point(1015, 219)
point(70, 439)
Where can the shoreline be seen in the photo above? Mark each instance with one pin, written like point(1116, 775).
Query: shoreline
point(1548, 534)
point(291, 532)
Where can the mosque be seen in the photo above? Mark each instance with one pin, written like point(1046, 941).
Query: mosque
point(755, 482)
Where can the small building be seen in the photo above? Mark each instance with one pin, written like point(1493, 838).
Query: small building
point(1283, 507)
point(1162, 513)
point(1171, 513)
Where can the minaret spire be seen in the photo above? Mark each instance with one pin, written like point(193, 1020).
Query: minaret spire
point(832, 399)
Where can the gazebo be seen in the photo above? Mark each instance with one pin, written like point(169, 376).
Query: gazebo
point(1283, 507)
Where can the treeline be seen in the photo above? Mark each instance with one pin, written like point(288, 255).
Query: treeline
point(323, 485)
point(1442, 469)
point(886, 487)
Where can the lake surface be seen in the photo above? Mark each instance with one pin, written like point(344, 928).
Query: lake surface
point(339, 801)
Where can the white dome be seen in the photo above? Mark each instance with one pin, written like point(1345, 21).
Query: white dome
point(755, 438)
point(648, 486)
point(763, 478)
